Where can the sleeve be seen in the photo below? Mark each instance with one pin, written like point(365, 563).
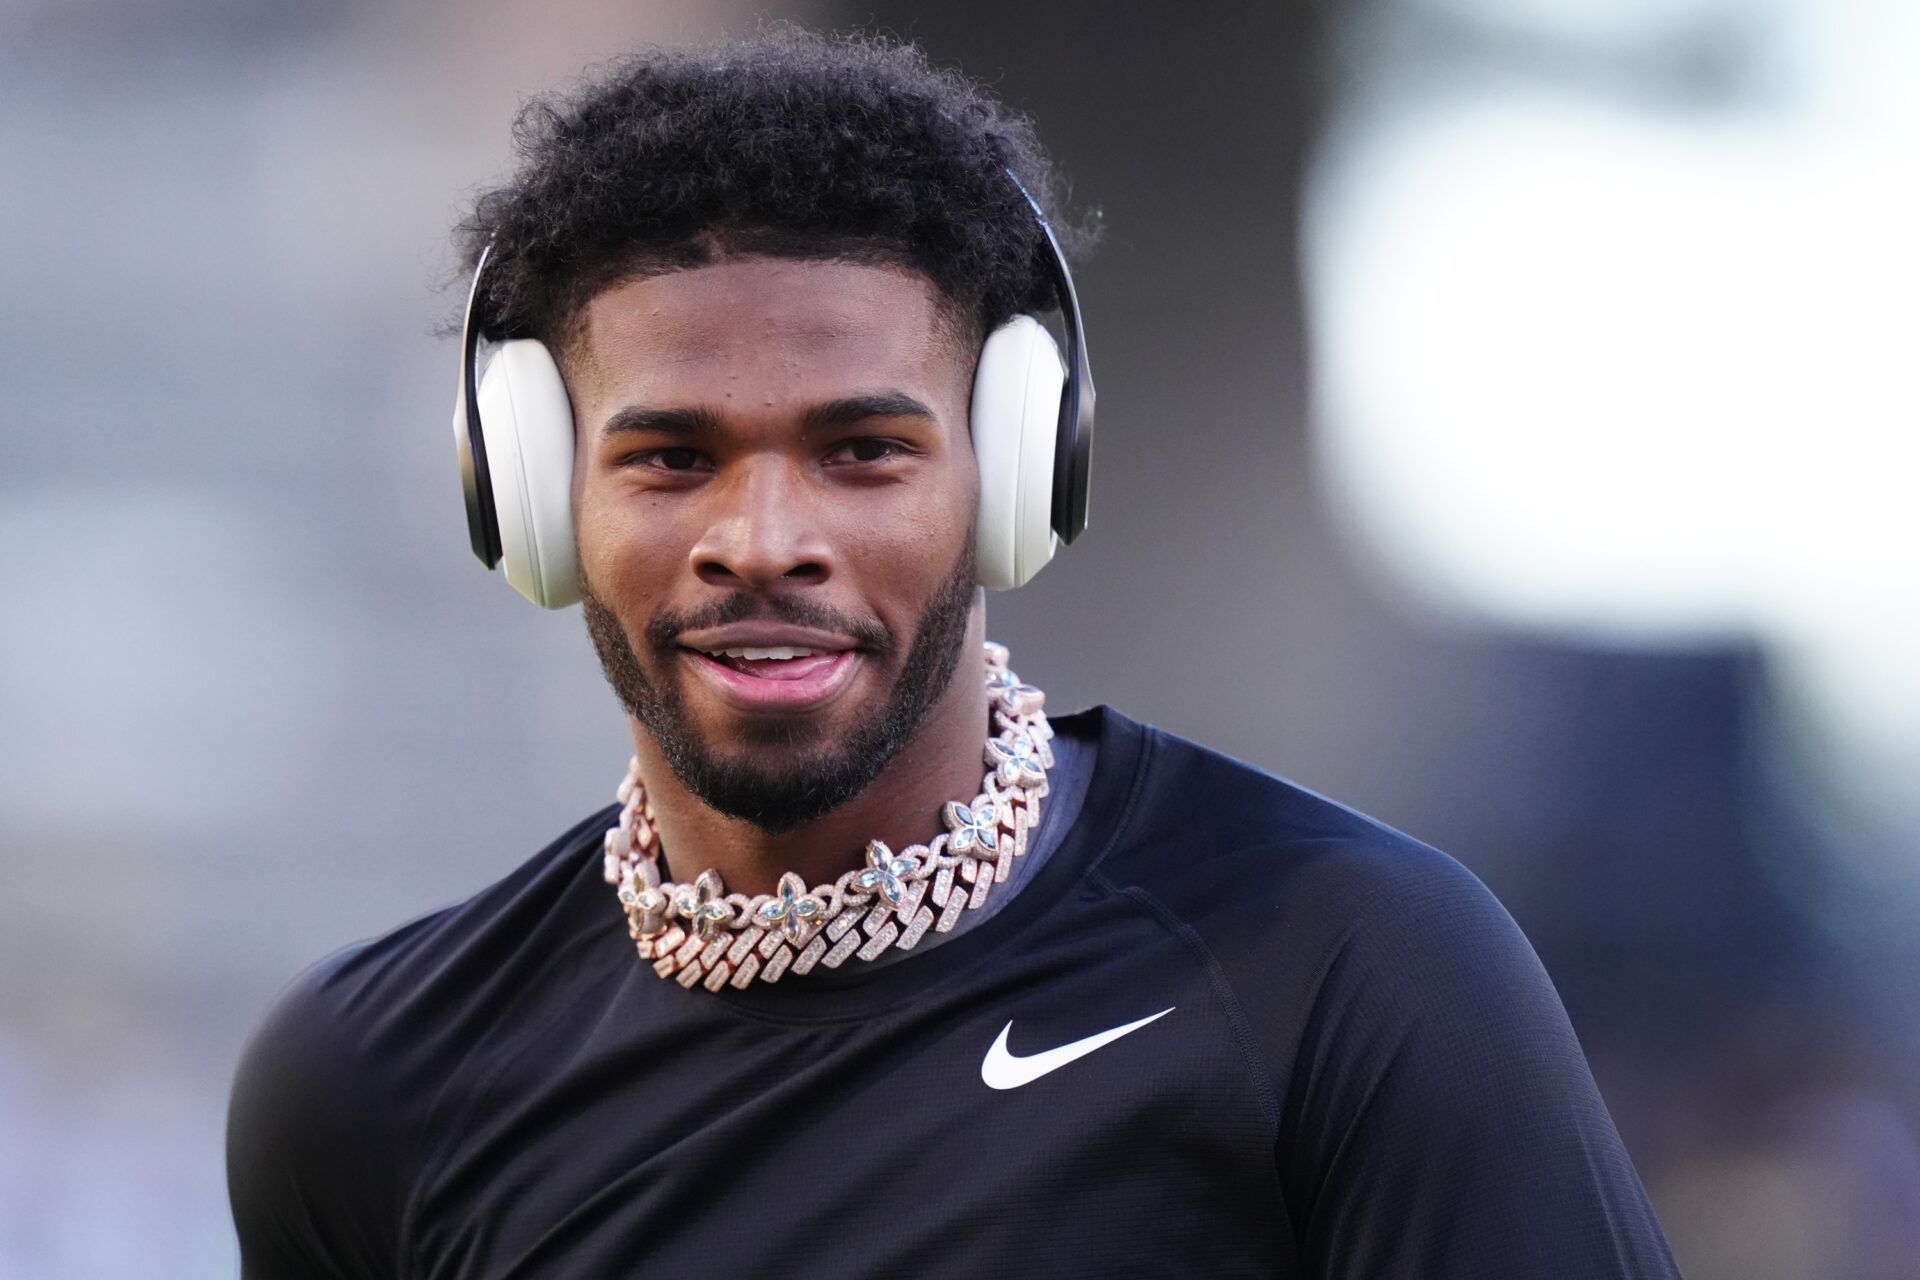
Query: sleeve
point(310, 1165)
point(1442, 1121)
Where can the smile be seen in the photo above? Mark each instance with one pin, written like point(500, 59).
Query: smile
point(774, 678)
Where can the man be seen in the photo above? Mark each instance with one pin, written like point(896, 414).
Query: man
point(925, 984)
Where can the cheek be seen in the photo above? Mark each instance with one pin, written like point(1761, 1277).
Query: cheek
point(625, 542)
point(906, 547)
point(592, 534)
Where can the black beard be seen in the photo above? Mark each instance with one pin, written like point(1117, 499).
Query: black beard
point(810, 783)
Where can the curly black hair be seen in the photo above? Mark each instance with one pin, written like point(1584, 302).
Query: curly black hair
point(783, 144)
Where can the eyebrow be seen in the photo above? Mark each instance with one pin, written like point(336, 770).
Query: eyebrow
point(850, 410)
point(669, 422)
point(826, 416)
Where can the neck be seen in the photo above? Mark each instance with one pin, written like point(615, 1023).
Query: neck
point(901, 806)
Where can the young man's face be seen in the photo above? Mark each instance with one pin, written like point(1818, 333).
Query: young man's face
point(774, 455)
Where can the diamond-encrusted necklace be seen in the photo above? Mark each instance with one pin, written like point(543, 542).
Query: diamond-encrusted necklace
point(699, 932)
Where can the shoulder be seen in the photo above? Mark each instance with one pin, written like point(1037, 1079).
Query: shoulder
point(333, 1091)
point(1214, 838)
point(1302, 902)
point(1434, 1112)
point(1370, 973)
point(313, 1140)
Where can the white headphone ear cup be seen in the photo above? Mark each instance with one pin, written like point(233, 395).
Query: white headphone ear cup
point(528, 424)
point(1014, 418)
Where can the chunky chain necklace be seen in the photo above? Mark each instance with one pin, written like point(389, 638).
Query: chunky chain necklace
point(699, 932)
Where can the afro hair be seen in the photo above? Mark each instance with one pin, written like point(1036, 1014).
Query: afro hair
point(783, 144)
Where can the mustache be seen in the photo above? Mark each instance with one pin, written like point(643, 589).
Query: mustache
point(664, 628)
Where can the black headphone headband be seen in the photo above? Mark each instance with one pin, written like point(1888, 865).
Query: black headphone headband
point(1073, 440)
point(1073, 444)
point(476, 480)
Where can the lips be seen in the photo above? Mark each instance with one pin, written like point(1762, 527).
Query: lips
point(771, 639)
point(774, 664)
point(775, 684)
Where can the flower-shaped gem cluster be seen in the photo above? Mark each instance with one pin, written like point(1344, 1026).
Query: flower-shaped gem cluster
point(974, 828)
point(886, 872)
point(792, 910)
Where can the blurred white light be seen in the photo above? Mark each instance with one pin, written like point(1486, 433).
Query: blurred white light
point(1645, 371)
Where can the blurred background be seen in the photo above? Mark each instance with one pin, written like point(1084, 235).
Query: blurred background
point(1508, 426)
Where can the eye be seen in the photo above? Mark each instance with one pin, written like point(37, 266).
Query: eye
point(866, 449)
point(674, 459)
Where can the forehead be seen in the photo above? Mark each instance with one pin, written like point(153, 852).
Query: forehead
point(768, 327)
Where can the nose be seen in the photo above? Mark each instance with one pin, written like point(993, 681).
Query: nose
point(765, 528)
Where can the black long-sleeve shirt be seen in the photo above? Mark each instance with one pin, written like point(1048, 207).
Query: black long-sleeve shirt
point(1361, 1070)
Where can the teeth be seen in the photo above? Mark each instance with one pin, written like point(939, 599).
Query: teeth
point(778, 651)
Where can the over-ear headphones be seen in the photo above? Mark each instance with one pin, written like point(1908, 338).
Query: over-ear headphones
point(1031, 418)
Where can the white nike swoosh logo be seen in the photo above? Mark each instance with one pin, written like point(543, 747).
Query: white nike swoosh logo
point(1002, 1070)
